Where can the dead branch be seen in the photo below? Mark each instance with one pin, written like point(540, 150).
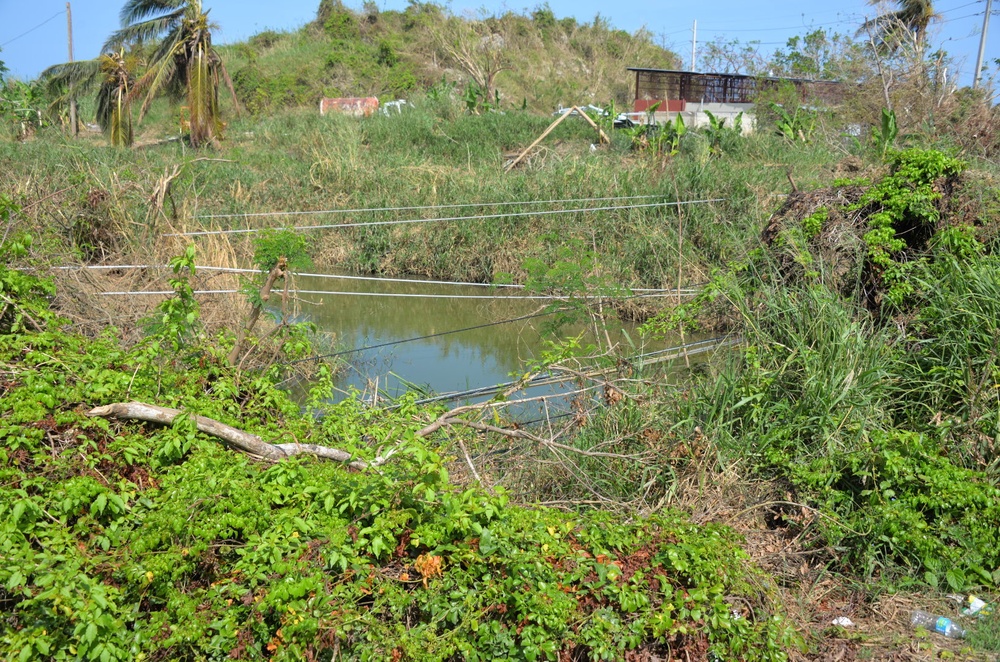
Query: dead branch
point(232, 437)
point(477, 50)
point(265, 293)
point(162, 191)
point(256, 447)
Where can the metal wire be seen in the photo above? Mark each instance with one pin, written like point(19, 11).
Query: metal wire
point(406, 295)
point(544, 212)
point(450, 206)
point(238, 270)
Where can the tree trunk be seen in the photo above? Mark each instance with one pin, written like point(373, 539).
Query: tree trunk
point(265, 294)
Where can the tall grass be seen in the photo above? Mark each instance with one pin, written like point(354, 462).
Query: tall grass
point(952, 377)
point(888, 426)
point(432, 154)
point(812, 379)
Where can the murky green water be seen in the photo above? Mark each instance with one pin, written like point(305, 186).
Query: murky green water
point(374, 317)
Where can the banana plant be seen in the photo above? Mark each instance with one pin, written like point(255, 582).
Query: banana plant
point(718, 133)
point(795, 126)
point(885, 136)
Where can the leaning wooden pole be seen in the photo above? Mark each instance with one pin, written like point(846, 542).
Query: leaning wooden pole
point(510, 166)
point(604, 137)
point(567, 113)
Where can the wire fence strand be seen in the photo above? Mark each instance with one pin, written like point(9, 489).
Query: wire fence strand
point(479, 217)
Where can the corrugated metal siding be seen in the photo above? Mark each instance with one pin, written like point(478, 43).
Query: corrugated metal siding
point(661, 85)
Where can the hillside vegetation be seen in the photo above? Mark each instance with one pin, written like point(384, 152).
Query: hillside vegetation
point(536, 60)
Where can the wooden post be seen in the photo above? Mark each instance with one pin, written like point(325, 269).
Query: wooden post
point(74, 127)
point(567, 113)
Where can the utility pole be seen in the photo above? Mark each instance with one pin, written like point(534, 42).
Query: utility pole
point(694, 46)
point(982, 45)
point(74, 129)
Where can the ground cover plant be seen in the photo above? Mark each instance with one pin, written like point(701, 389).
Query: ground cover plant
point(837, 457)
point(131, 541)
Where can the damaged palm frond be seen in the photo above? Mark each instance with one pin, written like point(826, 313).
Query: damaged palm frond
point(184, 65)
point(113, 73)
point(81, 76)
point(114, 105)
point(891, 29)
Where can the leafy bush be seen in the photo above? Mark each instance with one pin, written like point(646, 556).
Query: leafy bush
point(901, 215)
point(124, 541)
point(260, 93)
point(23, 295)
point(903, 501)
point(886, 425)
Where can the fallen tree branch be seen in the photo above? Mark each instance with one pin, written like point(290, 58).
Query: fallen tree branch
point(255, 446)
point(232, 437)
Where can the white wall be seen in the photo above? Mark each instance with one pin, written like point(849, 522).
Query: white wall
point(694, 115)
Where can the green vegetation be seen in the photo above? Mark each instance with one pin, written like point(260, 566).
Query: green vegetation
point(124, 541)
point(843, 444)
point(534, 60)
point(299, 161)
point(114, 76)
point(879, 423)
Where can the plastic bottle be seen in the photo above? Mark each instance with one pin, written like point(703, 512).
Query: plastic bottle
point(939, 624)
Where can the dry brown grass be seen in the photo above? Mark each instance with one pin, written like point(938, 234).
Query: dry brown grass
point(81, 291)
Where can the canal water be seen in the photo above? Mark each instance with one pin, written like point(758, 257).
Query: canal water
point(438, 338)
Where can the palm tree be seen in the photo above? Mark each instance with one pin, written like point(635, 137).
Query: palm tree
point(113, 73)
point(910, 20)
point(183, 65)
point(114, 105)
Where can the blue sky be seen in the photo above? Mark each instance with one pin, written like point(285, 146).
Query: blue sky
point(93, 20)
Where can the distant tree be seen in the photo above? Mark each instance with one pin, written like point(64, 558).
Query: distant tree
point(478, 50)
point(114, 76)
point(184, 65)
point(818, 54)
point(891, 29)
point(732, 57)
point(544, 17)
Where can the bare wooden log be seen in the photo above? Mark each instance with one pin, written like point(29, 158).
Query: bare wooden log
point(255, 446)
point(232, 437)
point(569, 111)
point(510, 166)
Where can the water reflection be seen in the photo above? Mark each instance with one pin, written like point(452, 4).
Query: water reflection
point(366, 316)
